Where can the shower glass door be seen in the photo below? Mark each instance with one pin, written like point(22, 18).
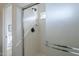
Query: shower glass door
point(62, 29)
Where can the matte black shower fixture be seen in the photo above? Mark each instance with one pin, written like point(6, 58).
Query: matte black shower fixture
point(34, 9)
point(32, 29)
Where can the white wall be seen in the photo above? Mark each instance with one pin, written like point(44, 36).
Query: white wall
point(62, 26)
point(16, 31)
